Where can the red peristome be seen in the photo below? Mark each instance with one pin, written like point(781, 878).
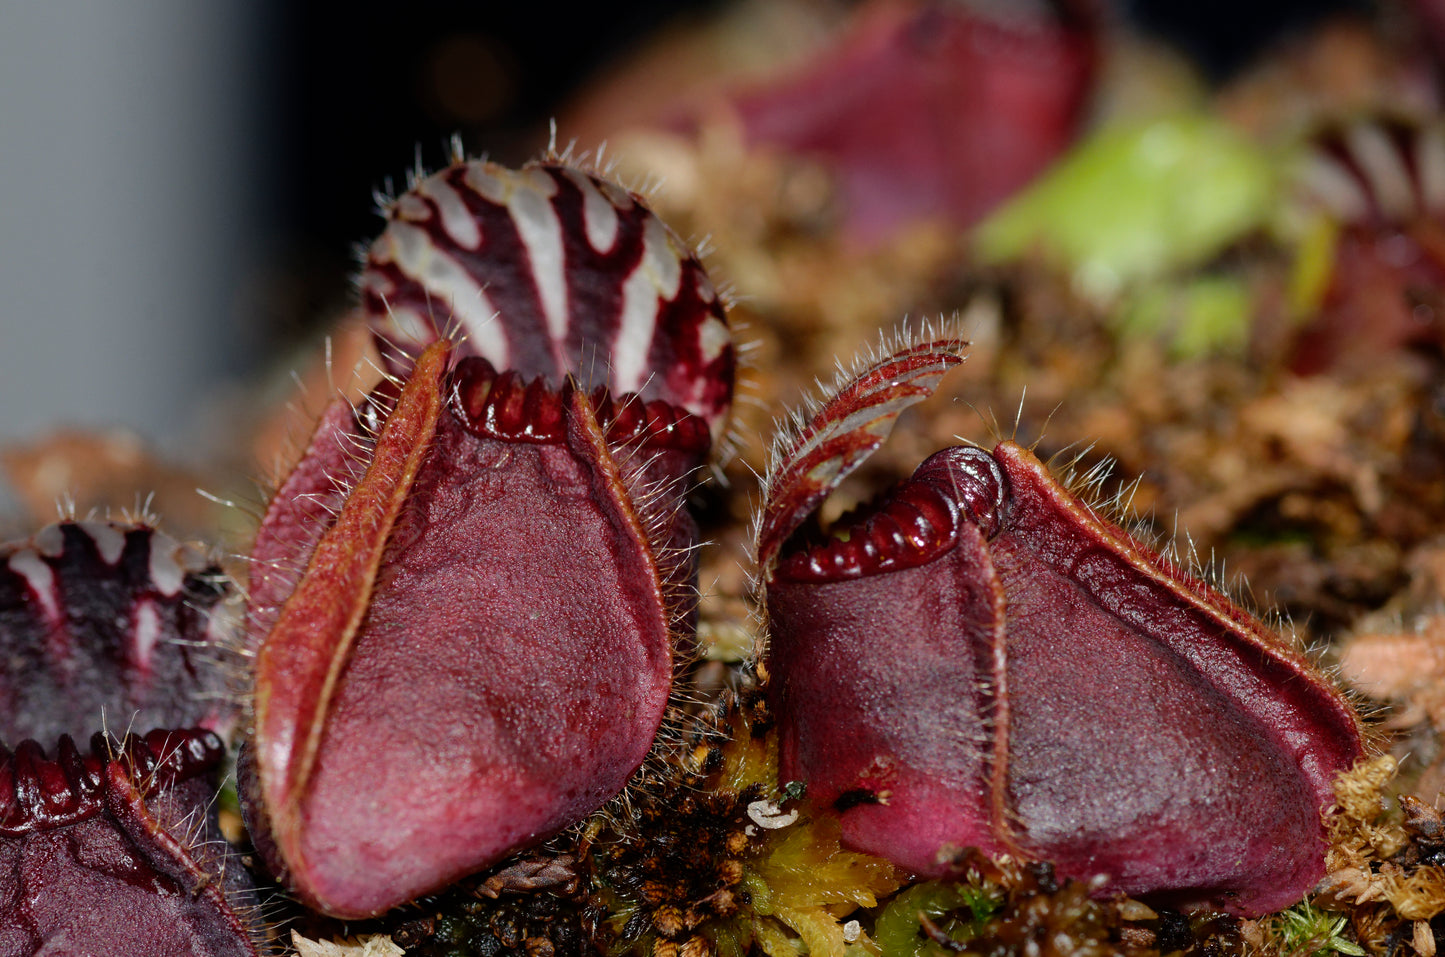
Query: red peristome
point(109, 623)
point(840, 436)
point(492, 645)
point(38, 793)
point(115, 852)
point(506, 406)
point(1050, 687)
point(550, 272)
point(913, 527)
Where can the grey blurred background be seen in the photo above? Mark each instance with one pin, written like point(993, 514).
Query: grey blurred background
point(181, 181)
point(132, 150)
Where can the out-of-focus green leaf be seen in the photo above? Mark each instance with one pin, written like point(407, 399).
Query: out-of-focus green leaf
point(1138, 201)
point(1199, 316)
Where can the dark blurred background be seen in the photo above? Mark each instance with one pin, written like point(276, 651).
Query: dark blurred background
point(182, 184)
point(371, 90)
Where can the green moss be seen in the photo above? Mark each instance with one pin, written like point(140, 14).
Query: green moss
point(1307, 931)
point(959, 910)
point(1198, 317)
